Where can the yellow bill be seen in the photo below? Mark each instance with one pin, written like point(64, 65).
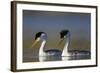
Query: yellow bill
point(36, 41)
point(60, 42)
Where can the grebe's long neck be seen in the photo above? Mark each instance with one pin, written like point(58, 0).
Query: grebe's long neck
point(65, 49)
point(41, 50)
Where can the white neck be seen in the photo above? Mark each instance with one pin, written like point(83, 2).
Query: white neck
point(65, 49)
point(41, 51)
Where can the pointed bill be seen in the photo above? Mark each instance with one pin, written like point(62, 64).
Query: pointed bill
point(36, 41)
point(60, 42)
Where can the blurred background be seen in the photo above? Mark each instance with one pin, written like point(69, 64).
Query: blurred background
point(52, 23)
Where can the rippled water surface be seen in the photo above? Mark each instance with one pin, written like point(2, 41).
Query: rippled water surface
point(54, 58)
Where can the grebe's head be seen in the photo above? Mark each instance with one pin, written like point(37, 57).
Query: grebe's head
point(40, 36)
point(64, 34)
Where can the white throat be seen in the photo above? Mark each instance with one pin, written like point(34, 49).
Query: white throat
point(41, 50)
point(65, 49)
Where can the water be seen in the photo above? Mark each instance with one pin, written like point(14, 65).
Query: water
point(54, 58)
point(30, 55)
